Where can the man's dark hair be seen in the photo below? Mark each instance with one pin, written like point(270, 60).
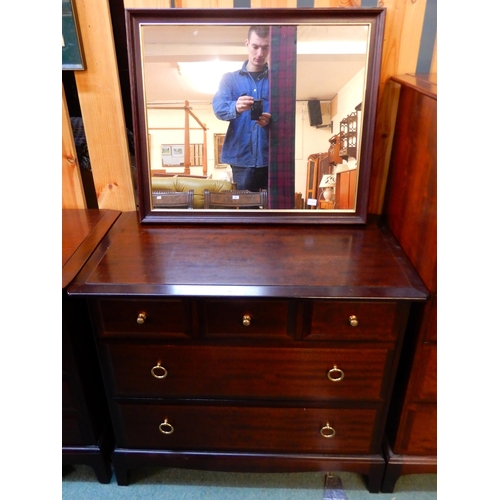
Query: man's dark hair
point(260, 31)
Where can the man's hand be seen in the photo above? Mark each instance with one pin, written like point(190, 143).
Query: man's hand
point(264, 119)
point(244, 103)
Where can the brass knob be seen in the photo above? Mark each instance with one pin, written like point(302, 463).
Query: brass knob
point(327, 431)
point(159, 371)
point(141, 318)
point(166, 428)
point(353, 320)
point(335, 374)
point(247, 320)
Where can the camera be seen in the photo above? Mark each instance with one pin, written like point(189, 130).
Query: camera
point(256, 109)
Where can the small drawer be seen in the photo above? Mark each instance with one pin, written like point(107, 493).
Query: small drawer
point(167, 318)
point(246, 429)
point(255, 319)
point(337, 320)
point(288, 373)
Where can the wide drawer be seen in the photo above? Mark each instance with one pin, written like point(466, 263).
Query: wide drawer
point(253, 429)
point(248, 372)
point(144, 318)
point(353, 320)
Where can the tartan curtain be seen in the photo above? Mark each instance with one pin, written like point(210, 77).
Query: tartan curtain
point(282, 88)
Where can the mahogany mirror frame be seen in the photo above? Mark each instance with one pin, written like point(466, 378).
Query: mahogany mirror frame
point(135, 18)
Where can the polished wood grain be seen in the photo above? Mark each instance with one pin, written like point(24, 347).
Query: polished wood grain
point(247, 429)
point(374, 321)
point(412, 183)
point(282, 261)
point(82, 231)
point(282, 373)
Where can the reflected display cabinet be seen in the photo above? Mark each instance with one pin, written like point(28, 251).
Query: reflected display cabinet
point(411, 214)
point(216, 355)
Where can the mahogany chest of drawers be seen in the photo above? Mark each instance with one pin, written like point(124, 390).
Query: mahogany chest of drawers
point(86, 426)
point(411, 214)
point(249, 348)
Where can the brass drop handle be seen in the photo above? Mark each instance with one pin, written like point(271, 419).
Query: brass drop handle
point(335, 374)
point(159, 371)
point(166, 428)
point(141, 318)
point(247, 319)
point(327, 431)
point(353, 320)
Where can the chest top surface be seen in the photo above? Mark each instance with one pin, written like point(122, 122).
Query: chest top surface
point(341, 262)
point(82, 231)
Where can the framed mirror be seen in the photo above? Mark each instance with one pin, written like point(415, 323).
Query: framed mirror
point(316, 73)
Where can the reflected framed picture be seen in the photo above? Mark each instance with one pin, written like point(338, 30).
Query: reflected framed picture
point(177, 151)
point(218, 143)
point(72, 54)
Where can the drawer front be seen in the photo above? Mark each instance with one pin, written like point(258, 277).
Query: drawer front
point(167, 318)
point(71, 434)
point(336, 320)
point(418, 433)
point(425, 374)
point(252, 429)
point(248, 372)
point(248, 319)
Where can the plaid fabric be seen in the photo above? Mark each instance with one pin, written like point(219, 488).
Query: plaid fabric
point(282, 83)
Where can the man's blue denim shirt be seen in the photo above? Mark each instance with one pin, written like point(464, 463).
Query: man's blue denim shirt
point(246, 143)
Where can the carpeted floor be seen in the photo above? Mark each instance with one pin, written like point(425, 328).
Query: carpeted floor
point(177, 484)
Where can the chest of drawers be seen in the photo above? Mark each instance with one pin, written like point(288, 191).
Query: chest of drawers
point(86, 427)
point(249, 349)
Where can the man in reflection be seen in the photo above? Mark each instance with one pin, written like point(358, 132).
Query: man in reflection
point(243, 100)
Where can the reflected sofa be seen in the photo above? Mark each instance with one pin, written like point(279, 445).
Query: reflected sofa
point(182, 184)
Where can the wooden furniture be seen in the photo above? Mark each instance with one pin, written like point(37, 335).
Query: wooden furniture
point(249, 348)
point(236, 199)
point(317, 166)
point(411, 213)
point(326, 205)
point(345, 190)
point(86, 430)
point(173, 199)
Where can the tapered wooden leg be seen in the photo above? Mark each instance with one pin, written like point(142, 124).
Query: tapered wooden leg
point(121, 469)
point(375, 477)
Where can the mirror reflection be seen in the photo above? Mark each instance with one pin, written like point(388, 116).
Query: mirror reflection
point(201, 83)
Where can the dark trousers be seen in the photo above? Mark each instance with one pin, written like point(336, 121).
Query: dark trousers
point(253, 179)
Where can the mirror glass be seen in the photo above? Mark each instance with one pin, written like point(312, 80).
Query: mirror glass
point(328, 67)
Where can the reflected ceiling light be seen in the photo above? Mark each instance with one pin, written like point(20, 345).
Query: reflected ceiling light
point(204, 76)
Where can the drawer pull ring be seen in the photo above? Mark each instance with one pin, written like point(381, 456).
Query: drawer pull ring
point(335, 374)
point(141, 318)
point(159, 371)
point(353, 320)
point(247, 320)
point(166, 428)
point(327, 431)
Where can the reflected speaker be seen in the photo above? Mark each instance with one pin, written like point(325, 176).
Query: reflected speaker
point(314, 108)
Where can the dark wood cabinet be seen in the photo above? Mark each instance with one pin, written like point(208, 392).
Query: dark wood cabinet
point(411, 213)
point(249, 348)
point(86, 426)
